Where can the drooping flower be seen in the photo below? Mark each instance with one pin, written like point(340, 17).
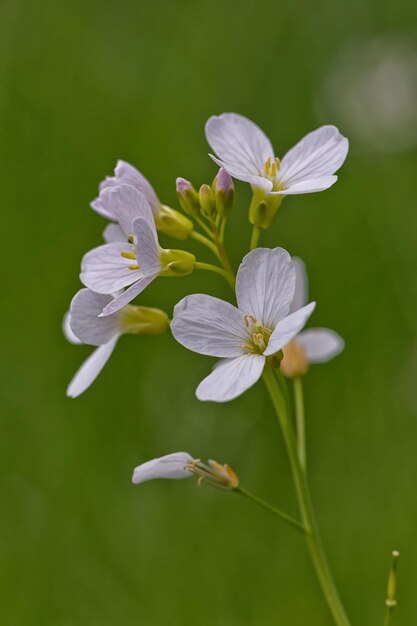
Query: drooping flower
point(246, 153)
point(83, 325)
point(182, 465)
point(167, 220)
point(136, 261)
point(314, 345)
point(243, 336)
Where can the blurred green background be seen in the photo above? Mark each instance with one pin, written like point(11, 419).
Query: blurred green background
point(85, 83)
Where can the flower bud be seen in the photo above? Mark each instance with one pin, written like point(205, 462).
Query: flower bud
point(206, 198)
point(188, 197)
point(295, 362)
point(215, 474)
point(224, 192)
point(263, 208)
point(176, 262)
point(143, 320)
point(173, 223)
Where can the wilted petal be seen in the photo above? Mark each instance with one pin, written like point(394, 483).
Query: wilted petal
point(318, 155)
point(209, 326)
point(288, 328)
point(128, 295)
point(265, 285)
point(242, 147)
point(127, 204)
point(169, 466)
point(91, 368)
point(113, 233)
point(127, 173)
point(231, 377)
point(86, 306)
point(301, 285)
point(105, 270)
point(320, 344)
point(67, 330)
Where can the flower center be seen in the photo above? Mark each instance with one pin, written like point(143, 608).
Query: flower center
point(271, 172)
point(259, 335)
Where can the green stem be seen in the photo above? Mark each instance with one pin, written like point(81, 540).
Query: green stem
point(203, 226)
point(313, 541)
point(205, 241)
point(221, 250)
point(198, 265)
point(300, 421)
point(223, 228)
point(254, 240)
point(286, 518)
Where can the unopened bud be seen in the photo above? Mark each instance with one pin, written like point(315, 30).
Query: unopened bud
point(176, 262)
point(173, 223)
point(224, 192)
point(188, 197)
point(295, 361)
point(263, 208)
point(214, 474)
point(143, 320)
point(206, 198)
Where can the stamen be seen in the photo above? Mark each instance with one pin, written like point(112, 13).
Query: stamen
point(131, 239)
point(127, 254)
point(133, 267)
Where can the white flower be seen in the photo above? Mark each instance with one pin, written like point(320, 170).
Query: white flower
point(170, 466)
point(136, 261)
point(245, 336)
point(83, 324)
point(246, 153)
point(315, 345)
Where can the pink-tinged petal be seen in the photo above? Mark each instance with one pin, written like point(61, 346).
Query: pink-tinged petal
point(67, 330)
point(307, 186)
point(231, 377)
point(127, 173)
point(320, 344)
point(113, 233)
point(90, 369)
point(169, 466)
point(265, 285)
point(147, 247)
point(127, 204)
point(86, 306)
point(241, 174)
point(209, 326)
point(318, 155)
point(288, 328)
point(128, 295)
point(105, 270)
point(301, 285)
point(240, 144)
point(100, 204)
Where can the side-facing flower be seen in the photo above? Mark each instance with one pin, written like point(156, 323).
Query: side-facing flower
point(243, 336)
point(167, 220)
point(315, 345)
point(182, 465)
point(135, 262)
point(83, 325)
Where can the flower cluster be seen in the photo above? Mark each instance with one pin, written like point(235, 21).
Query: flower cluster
point(265, 327)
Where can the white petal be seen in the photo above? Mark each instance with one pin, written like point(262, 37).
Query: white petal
point(67, 330)
point(113, 233)
point(320, 344)
point(147, 247)
point(317, 155)
point(127, 203)
point(91, 368)
point(169, 466)
point(209, 326)
point(301, 285)
point(86, 306)
point(100, 204)
point(104, 270)
point(265, 285)
point(128, 295)
point(240, 144)
point(127, 173)
point(288, 328)
point(307, 186)
point(242, 174)
point(231, 377)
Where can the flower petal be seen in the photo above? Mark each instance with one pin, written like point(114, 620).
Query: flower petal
point(307, 186)
point(67, 330)
point(317, 155)
point(127, 203)
point(209, 326)
point(86, 306)
point(288, 328)
point(91, 368)
point(231, 377)
point(127, 173)
point(320, 344)
point(265, 285)
point(128, 295)
point(301, 285)
point(113, 233)
point(169, 466)
point(240, 144)
point(147, 247)
point(104, 270)
point(242, 174)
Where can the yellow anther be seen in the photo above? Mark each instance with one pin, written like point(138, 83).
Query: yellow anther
point(127, 254)
point(277, 163)
point(131, 239)
point(133, 267)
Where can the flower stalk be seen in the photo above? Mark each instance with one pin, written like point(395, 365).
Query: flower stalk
point(283, 516)
point(300, 421)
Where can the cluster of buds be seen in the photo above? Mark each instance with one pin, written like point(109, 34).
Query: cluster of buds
point(210, 200)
